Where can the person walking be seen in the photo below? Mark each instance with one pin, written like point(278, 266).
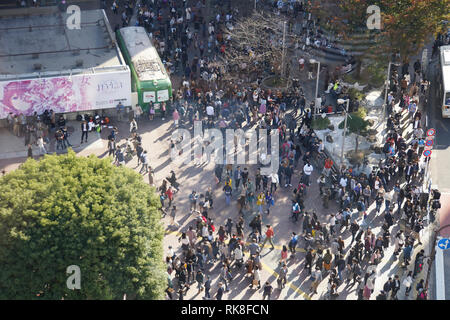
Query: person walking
point(40, 143)
point(354, 227)
point(193, 198)
point(307, 170)
point(293, 244)
point(144, 162)
point(309, 257)
point(260, 201)
point(225, 276)
point(282, 276)
point(111, 146)
point(228, 192)
point(84, 131)
point(66, 137)
point(284, 255)
point(274, 181)
point(407, 282)
point(173, 214)
point(267, 291)
point(199, 278)
point(269, 237)
point(207, 288)
point(256, 281)
point(395, 287)
point(316, 278)
point(133, 126)
point(220, 291)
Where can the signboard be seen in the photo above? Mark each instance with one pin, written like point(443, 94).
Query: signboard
point(431, 132)
point(65, 94)
point(429, 142)
point(427, 148)
point(427, 153)
point(444, 244)
point(163, 95)
point(149, 96)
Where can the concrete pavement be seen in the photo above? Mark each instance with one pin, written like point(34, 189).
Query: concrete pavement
point(156, 135)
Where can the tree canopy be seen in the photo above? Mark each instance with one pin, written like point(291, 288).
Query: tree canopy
point(406, 25)
point(255, 45)
point(68, 210)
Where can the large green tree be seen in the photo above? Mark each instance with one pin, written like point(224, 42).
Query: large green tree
point(68, 210)
point(406, 25)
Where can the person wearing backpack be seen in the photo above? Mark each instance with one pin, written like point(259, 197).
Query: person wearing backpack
point(228, 192)
point(144, 162)
point(139, 151)
point(421, 295)
point(193, 197)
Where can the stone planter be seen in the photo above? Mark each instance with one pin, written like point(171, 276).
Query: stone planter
point(275, 83)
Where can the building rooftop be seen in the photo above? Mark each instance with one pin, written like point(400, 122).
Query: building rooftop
point(40, 42)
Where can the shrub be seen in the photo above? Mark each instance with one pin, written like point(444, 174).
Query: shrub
point(320, 123)
point(356, 94)
point(355, 124)
point(361, 112)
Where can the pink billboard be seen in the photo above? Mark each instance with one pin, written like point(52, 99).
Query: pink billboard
point(65, 94)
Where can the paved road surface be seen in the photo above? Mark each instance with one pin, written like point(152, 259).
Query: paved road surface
point(440, 172)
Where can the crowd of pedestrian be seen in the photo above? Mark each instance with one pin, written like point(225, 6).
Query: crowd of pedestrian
point(190, 42)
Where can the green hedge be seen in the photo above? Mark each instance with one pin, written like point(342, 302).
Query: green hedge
point(355, 124)
point(320, 123)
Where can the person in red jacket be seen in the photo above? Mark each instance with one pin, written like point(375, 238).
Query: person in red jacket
point(169, 194)
point(269, 236)
point(327, 167)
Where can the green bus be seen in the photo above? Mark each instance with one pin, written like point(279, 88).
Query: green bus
point(149, 78)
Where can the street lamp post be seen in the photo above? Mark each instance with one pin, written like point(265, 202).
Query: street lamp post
point(387, 87)
point(317, 84)
point(283, 68)
point(340, 101)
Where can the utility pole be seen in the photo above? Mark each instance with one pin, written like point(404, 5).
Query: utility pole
point(284, 51)
point(386, 90)
point(317, 85)
point(345, 126)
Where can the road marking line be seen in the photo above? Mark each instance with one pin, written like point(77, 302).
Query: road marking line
point(178, 233)
point(440, 274)
point(291, 285)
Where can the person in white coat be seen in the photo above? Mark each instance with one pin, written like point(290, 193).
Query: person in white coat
point(407, 282)
point(238, 256)
point(307, 170)
point(256, 278)
point(40, 143)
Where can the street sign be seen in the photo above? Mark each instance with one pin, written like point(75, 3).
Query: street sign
point(444, 244)
point(429, 142)
point(431, 132)
point(427, 148)
point(427, 153)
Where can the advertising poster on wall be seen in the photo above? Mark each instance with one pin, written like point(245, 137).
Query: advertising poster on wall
point(149, 96)
point(163, 95)
point(65, 94)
